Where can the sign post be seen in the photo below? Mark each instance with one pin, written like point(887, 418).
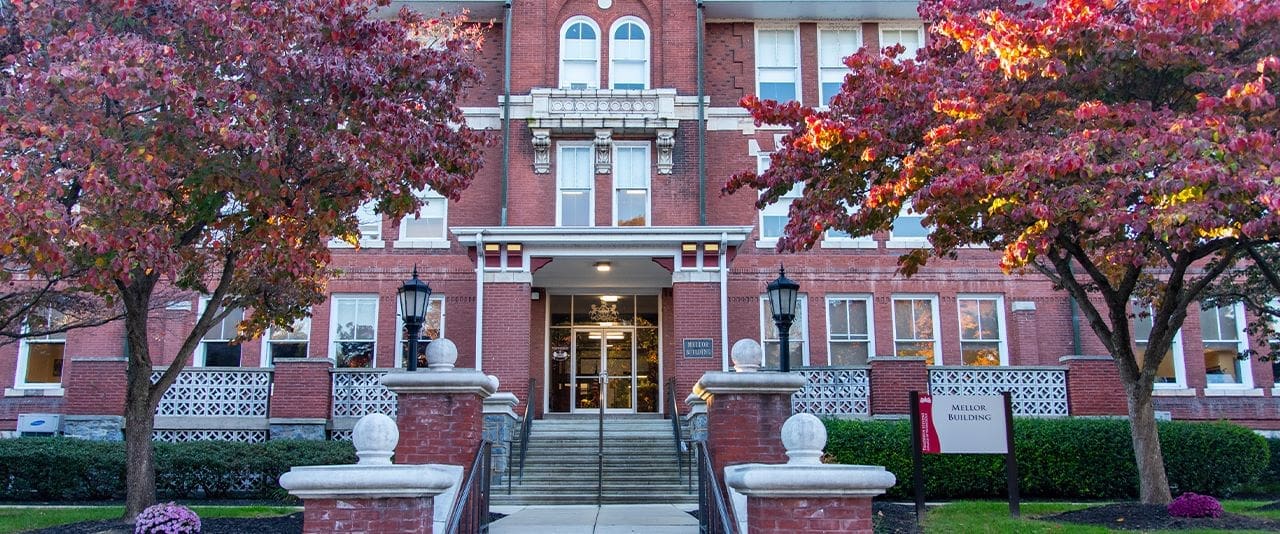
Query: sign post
point(962, 424)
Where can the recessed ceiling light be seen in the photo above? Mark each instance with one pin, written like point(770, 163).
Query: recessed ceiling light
point(609, 298)
point(604, 266)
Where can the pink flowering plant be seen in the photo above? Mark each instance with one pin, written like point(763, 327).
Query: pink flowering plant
point(1195, 505)
point(167, 518)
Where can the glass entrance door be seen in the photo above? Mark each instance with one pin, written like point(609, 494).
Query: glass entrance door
point(610, 350)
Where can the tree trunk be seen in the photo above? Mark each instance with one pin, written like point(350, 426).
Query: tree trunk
point(140, 473)
point(1153, 483)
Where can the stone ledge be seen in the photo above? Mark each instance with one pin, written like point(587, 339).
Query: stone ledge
point(454, 381)
point(896, 359)
point(721, 383)
point(789, 480)
point(1084, 358)
point(312, 361)
point(365, 481)
point(298, 421)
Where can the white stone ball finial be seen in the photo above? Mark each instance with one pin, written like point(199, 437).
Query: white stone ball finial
point(493, 379)
point(747, 356)
point(804, 436)
point(441, 355)
point(375, 437)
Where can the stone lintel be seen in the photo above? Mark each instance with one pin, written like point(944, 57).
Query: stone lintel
point(366, 481)
point(812, 481)
point(448, 382)
point(763, 382)
point(298, 421)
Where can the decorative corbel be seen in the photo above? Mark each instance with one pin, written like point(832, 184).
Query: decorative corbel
point(541, 150)
point(604, 151)
point(666, 146)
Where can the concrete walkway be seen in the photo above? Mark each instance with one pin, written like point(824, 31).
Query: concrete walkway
point(591, 519)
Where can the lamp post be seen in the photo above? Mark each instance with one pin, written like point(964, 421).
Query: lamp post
point(783, 294)
point(415, 296)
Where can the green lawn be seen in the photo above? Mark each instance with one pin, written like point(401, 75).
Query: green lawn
point(963, 517)
point(15, 519)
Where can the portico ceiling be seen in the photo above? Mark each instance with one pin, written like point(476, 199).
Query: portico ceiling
point(569, 274)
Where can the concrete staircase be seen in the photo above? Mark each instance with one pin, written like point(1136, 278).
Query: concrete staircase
point(640, 463)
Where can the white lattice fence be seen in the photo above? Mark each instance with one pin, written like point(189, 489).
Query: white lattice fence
point(1036, 391)
point(178, 436)
point(216, 393)
point(833, 391)
point(357, 393)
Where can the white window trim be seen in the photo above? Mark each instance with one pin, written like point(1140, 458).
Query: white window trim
point(402, 241)
point(591, 189)
point(795, 31)
point(1245, 367)
point(265, 358)
point(856, 29)
point(198, 358)
point(871, 321)
point(937, 322)
point(918, 27)
point(333, 324)
point(908, 242)
point(564, 29)
point(648, 50)
point(20, 372)
point(1000, 316)
point(364, 242)
point(766, 314)
point(1179, 364)
point(866, 241)
point(648, 188)
point(400, 329)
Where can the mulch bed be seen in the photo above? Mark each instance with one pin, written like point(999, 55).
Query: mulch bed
point(892, 518)
point(1137, 516)
point(285, 524)
point(1269, 507)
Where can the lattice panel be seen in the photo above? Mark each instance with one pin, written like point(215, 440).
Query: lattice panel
point(359, 393)
point(339, 435)
point(243, 436)
point(222, 393)
point(1036, 392)
point(833, 392)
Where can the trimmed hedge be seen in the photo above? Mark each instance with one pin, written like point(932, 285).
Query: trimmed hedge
point(57, 469)
point(1062, 458)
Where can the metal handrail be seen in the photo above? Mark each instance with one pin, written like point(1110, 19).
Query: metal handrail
point(673, 410)
point(526, 426)
point(470, 511)
point(714, 516)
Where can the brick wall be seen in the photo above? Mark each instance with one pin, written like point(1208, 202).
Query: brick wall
point(94, 387)
point(845, 515)
point(1094, 387)
point(507, 326)
point(745, 428)
point(323, 516)
point(439, 428)
point(892, 379)
point(297, 388)
point(697, 305)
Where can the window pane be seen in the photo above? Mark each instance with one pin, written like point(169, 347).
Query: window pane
point(838, 315)
point(910, 226)
point(986, 354)
point(777, 48)
point(287, 350)
point(923, 318)
point(969, 321)
point(920, 349)
point(1222, 363)
point(1209, 323)
point(773, 225)
point(370, 221)
point(575, 208)
point(836, 45)
point(354, 353)
point(44, 363)
point(424, 228)
point(300, 330)
point(221, 354)
point(902, 326)
point(632, 204)
point(848, 353)
point(990, 319)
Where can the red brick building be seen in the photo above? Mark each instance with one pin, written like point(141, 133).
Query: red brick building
point(596, 238)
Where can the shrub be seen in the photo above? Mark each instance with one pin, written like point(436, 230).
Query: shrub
point(168, 518)
point(1194, 505)
point(1060, 458)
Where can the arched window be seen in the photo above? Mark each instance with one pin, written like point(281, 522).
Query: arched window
point(580, 54)
point(629, 55)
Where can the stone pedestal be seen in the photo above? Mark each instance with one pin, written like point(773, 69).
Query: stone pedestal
point(697, 417)
point(500, 424)
point(1094, 386)
point(891, 378)
point(805, 495)
point(300, 409)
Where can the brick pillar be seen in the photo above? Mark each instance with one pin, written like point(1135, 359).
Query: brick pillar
point(507, 319)
point(892, 378)
point(94, 398)
point(812, 515)
point(697, 316)
point(1027, 344)
point(1093, 386)
point(300, 398)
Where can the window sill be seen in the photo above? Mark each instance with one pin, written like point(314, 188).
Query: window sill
point(421, 243)
point(34, 392)
point(906, 243)
point(849, 243)
point(1173, 392)
point(767, 243)
point(1229, 391)
point(364, 243)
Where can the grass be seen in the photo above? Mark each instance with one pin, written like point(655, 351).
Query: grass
point(964, 517)
point(18, 519)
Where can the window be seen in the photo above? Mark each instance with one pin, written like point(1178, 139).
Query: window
point(1170, 374)
point(1222, 329)
point(430, 223)
point(841, 239)
point(631, 185)
point(354, 330)
point(773, 218)
point(432, 329)
point(834, 44)
point(908, 229)
point(982, 340)
point(796, 335)
point(915, 327)
point(849, 328)
point(629, 55)
point(370, 222)
point(580, 54)
point(575, 176)
point(40, 357)
point(777, 64)
point(216, 348)
point(288, 342)
point(910, 37)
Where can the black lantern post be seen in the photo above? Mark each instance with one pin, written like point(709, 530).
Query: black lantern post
point(783, 294)
point(415, 296)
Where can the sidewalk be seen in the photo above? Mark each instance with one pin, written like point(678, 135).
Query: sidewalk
point(591, 519)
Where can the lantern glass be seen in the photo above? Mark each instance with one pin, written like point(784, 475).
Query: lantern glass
point(415, 295)
point(783, 293)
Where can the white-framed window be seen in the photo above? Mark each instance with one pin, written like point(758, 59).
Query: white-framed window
point(841, 239)
point(216, 348)
point(909, 230)
point(291, 342)
point(629, 54)
point(773, 218)
point(834, 44)
point(915, 327)
point(353, 330)
point(370, 222)
point(911, 37)
point(1171, 374)
point(432, 329)
point(580, 54)
point(430, 226)
point(40, 358)
point(575, 185)
point(631, 183)
point(849, 330)
point(982, 330)
point(797, 335)
point(778, 63)
point(1223, 330)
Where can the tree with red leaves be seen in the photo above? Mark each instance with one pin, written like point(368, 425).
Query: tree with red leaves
point(1126, 150)
point(215, 146)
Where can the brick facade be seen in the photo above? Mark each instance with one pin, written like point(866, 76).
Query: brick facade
point(744, 428)
point(827, 515)
point(439, 428)
point(368, 516)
